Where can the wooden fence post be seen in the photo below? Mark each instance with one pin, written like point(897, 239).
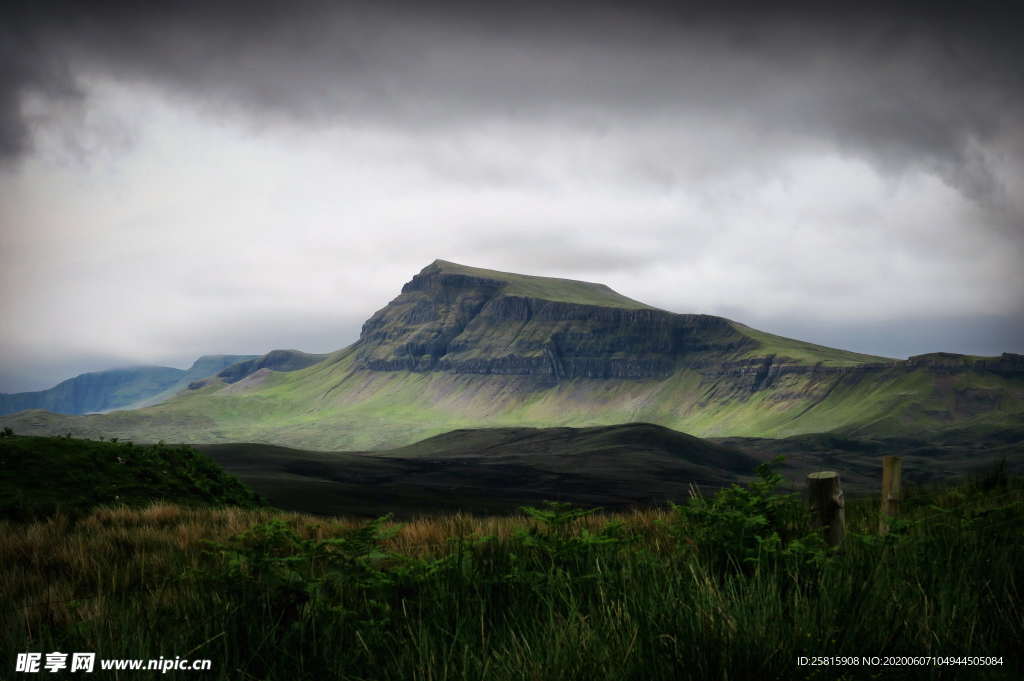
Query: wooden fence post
point(826, 497)
point(891, 470)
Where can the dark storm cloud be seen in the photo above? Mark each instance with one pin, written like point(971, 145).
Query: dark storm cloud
point(27, 68)
point(904, 85)
point(266, 174)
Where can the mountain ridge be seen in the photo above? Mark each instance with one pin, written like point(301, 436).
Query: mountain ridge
point(462, 347)
point(119, 388)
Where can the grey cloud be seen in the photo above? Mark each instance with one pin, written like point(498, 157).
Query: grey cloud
point(900, 338)
point(552, 250)
point(28, 68)
point(39, 372)
point(38, 369)
point(640, 144)
point(905, 85)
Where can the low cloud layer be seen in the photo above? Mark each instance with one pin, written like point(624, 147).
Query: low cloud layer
point(233, 177)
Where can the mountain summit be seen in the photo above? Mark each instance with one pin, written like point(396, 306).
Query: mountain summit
point(466, 320)
point(464, 347)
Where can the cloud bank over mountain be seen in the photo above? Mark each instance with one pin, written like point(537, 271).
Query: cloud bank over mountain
point(187, 178)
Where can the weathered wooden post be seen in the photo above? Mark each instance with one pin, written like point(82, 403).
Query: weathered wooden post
point(826, 497)
point(891, 471)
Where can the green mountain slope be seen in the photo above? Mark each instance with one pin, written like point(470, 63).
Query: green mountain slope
point(464, 348)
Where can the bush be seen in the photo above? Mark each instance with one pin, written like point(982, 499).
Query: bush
point(743, 527)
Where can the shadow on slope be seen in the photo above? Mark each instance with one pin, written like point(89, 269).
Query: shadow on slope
point(490, 470)
point(931, 458)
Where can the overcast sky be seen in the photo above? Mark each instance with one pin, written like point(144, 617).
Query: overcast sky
point(186, 178)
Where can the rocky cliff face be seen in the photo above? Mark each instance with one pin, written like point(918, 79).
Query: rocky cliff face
point(1007, 364)
point(468, 322)
point(452, 322)
point(762, 373)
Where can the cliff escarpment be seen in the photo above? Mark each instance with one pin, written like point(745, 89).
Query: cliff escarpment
point(449, 321)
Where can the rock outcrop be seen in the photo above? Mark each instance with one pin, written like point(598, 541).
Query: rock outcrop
point(1006, 364)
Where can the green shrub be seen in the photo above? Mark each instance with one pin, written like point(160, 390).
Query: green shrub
point(743, 527)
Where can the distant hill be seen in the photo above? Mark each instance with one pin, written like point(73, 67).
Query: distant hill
point(95, 391)
point(207, 365)
point(490, 470)
point(40, 476)
point(127, 388)
point(463, 347)
point(496, 470)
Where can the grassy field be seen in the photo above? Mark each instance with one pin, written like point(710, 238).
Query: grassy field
point(735, 586)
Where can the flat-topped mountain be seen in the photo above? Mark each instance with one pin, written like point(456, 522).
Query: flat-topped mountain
point(466, 320)
point(463, 347)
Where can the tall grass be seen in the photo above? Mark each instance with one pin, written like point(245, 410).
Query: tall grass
point(555, 594)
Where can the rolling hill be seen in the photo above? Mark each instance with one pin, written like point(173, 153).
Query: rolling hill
point(490, 470)
point(463, 347)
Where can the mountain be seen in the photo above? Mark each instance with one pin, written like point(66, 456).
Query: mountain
point(463, 347)
point(95, 391)
point(127, 388)
point(275, 360)
point(205, 366)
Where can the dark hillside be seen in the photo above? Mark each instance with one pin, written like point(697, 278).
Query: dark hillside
point(490, 470)
point(43, 475)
